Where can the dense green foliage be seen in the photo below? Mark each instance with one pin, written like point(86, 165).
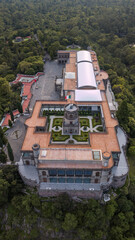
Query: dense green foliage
point(108, 28)
point(3, 142)
point(28, 216)
point(10, 152)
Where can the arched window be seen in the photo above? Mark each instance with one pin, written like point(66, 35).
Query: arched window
point(97, 174)
point(44, 173)
point(96, 180)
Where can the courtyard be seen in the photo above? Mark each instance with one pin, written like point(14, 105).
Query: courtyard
point(87, 124)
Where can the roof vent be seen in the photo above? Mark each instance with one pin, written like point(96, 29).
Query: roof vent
point(43, 153)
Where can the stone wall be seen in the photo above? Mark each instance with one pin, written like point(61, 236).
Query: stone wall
point(119, 181)
point(82, 194)
point(28, 182)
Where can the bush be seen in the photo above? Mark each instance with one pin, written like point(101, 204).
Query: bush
point(10, 153)
point(9, 123)
point(82, 138)
point(58, 137)
point(131, 150)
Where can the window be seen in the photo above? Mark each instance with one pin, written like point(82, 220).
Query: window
point(61, 180)
point(70, 172)
point(27, 154)
point(44, 173)
point(96, 155)
point(53, 172)
point(61, 172)
point(79, 173)
point(97, 174)
point(78, 180)
point(53, 180)
point(87, 172)
point(96, 180)
point(86, 180)
point(70, 180)
point(40, 129)
point(44, 179)
point(115, 156)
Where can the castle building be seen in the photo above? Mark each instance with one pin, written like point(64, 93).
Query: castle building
point(75, 145)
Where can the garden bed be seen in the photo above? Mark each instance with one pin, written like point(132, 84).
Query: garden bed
point(100, 129)
point(53, 112)
point(96, 121)
point(84, 122)
point(58, 137)
point(57, 122)
point(82, 138)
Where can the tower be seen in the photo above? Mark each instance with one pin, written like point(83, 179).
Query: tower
point(71, 119)
point(36, 148)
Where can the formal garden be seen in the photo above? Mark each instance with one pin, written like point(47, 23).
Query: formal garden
point(87, 124)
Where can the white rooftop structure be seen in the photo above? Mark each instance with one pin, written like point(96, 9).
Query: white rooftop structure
point(70, 75)
point(88, 95)
point(86, 76)
point(83, 56)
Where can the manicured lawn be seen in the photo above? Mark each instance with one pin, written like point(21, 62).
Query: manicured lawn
point(57, 122)
point(81, 138)
point(57, 136)
point(100, 129)
point(84, 122)
point(96, 122)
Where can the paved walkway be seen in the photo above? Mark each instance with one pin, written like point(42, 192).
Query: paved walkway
point(122, 167)
point(16, 143)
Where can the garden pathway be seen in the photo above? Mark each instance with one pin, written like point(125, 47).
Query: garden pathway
point(91, 129)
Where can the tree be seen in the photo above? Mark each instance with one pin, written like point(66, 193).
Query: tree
point(122, 114)
point(9, 123)
point(70, 222)
point(3, 156)
point(20, 109)
point(2, 137)
point(11, 175)
point(10, 152)
point(3, 189)
point(1, 142)
point(116, 233)
point(11, 114)
point(111, 208)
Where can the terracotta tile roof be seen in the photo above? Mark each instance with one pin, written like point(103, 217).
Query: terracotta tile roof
point(31, 138)
point(70, 67)
point(8, 117)
point(69, 154)
point(106, 141)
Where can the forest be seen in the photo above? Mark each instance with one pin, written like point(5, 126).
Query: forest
point(108, 28)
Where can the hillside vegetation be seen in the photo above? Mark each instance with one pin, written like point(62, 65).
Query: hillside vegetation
point(107, 26)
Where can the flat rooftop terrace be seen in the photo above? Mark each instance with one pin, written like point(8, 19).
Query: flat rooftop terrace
point(69, 154)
